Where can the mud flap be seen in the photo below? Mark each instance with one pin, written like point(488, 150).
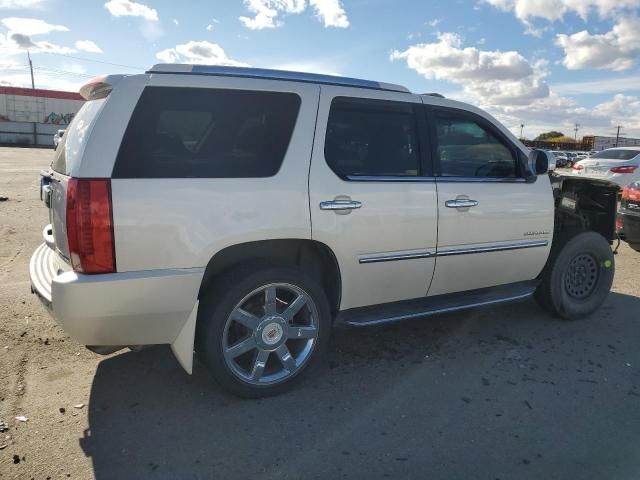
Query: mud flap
point(182, 346)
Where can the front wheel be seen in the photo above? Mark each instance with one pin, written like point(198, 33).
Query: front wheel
point(578, 277)
point(260, 330)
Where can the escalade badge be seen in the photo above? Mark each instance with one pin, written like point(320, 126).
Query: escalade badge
point(529, 234)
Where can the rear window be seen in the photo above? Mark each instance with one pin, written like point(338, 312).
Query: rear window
point(616, 154)
point(73, 139)
point(207, 133)
point(372, 138)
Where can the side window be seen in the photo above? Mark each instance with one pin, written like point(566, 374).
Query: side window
point(372, 138)
point(207, 133)
point(467, 148)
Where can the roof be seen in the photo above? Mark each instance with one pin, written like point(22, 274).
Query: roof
point(629, 147)
point(40, 92)
point(217, 70)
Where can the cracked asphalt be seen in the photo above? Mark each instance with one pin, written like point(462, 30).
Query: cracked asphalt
point(500, 393)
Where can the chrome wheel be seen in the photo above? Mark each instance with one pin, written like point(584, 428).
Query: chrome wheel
point(270, 334)
point(582, 276)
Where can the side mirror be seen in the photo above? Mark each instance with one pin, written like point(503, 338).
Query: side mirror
point(541, 161)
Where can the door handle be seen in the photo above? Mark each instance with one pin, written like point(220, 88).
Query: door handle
point(461, 203)
point(340, 205)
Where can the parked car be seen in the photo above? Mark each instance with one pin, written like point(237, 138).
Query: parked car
point(57, 137)
point(242, 212)
point(561, 159)
point(619, 165)
point(628, 223)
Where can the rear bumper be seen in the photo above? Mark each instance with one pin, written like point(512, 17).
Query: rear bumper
point(129, 308)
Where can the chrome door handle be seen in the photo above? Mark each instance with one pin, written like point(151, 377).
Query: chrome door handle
point(340, 205)
point(461, 203)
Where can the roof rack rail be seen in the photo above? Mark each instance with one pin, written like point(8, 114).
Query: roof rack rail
point(217, 70)
point(433, 94)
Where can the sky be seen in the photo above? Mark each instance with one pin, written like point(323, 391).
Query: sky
point(544, 64)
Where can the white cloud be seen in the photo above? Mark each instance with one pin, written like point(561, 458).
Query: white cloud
point(615, 50)
point(31, 26)
point(621, 110)
point(209, 27)
point(201, 52)
point(553, 10)
point(330, 12)
point(17, 43)
point(20, 4)
point(88, 46)
point(561, 113)
point(176, 21)
point(495, 77)
point(128, 8)
point(266, 12)
point(610, 85)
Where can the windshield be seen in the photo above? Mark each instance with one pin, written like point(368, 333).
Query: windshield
point(72, 143)
point(617, 154)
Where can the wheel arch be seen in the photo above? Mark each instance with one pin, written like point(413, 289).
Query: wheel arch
point(313, 257)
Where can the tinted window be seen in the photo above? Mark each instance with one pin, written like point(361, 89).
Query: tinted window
point(207, 133)
point(467, 148)
point(616, 154)
point(372, 137)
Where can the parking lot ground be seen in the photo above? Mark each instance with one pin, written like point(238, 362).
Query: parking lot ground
point(500, 393)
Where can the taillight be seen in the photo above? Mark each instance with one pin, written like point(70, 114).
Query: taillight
point(577, 166)
point(631, 192)
point(627, 169)
point(90, 226)
point(619, 224)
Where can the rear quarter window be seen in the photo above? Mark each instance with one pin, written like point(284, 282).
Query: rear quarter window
point(73, 140)
point(207, 133)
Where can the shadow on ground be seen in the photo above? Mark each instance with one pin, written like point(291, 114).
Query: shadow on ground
point(502, 393)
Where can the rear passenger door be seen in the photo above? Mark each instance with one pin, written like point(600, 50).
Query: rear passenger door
point(494, 228)
point(372, 194)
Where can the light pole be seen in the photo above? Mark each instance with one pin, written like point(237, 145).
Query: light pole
point(521, 127)
point(575, 132)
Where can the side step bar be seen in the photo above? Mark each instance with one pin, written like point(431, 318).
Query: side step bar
point(423, 307)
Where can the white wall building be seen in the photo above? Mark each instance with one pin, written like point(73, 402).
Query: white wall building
point(599, 142)
point(31, 116)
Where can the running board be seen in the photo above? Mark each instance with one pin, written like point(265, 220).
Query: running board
point(423, 307)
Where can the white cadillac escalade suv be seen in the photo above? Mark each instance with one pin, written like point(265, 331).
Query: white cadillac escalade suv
point(240, 213)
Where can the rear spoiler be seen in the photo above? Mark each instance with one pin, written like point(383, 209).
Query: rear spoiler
point(99, 87)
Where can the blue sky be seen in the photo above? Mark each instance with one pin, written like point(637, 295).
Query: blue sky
point(545, 63)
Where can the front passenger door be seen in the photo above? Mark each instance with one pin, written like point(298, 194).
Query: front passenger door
point(493, 227)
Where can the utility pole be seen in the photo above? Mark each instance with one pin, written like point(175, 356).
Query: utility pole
point(618, 134)
point(521, 127)
point(33, 86)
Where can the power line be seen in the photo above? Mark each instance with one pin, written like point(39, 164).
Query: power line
point(63, 72)
point(95, 61)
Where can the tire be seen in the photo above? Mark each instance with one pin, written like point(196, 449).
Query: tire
point(578, 277)
point(635, 246)
point(273, 341)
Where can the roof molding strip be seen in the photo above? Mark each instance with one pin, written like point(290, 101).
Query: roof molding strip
point(269, 74)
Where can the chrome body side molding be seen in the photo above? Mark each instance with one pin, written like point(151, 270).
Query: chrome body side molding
point(447, 251)
point(394, 257)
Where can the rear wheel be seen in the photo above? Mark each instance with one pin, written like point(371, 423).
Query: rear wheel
point(259, 331)
point(578, 278)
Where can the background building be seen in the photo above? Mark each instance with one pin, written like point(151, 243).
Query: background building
point(597, 142)
point(31, 116)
